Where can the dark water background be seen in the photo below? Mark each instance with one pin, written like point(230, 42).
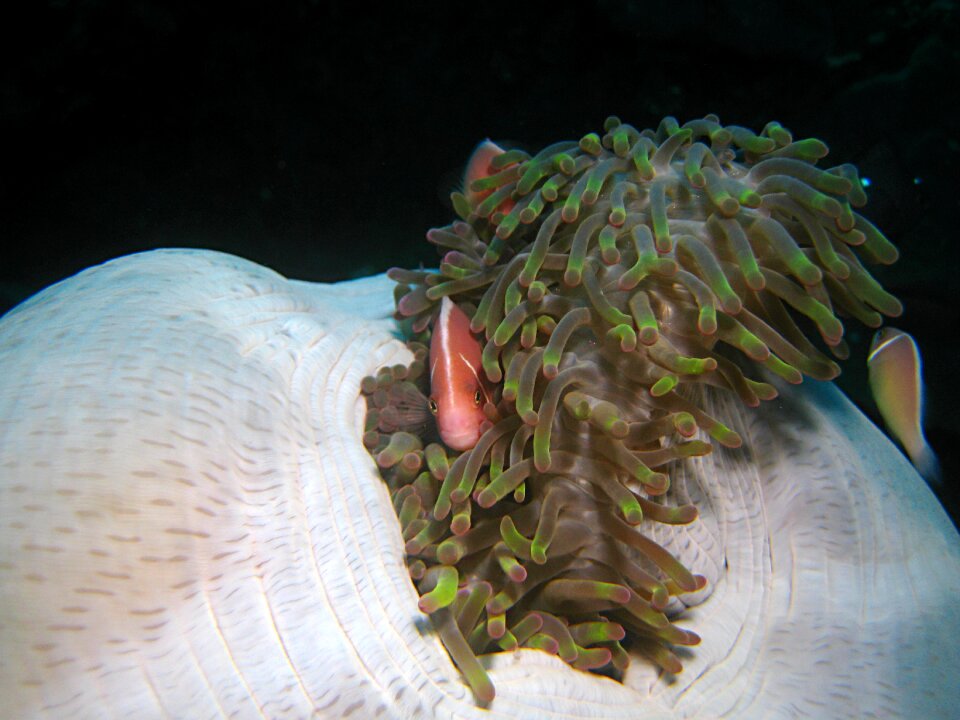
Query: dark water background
point(323, 139)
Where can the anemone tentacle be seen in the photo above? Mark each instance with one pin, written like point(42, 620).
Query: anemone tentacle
point(609, 278)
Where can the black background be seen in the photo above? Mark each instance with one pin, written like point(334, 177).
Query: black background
point(323, 139)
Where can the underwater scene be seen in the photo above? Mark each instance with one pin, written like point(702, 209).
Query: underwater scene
point(503, 361)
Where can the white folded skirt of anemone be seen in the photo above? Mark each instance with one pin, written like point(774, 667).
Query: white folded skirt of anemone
point(190, 526)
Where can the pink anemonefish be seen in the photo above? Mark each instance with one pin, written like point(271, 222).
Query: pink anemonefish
point(458, 395)
point(893, 365)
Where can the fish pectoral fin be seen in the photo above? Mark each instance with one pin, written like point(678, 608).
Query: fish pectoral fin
point(410, 404)
point(927, 464)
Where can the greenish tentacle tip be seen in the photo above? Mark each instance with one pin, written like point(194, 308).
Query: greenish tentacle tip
point(608, 279)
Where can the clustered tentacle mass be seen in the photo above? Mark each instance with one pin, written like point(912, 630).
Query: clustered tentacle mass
point(603, 277)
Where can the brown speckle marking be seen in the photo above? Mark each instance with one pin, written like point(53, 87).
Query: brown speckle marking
point(63, 627)
point(88, 513)
point(34, 508)
point(124, 538)
point(113, 576)
point(57, 663)
point(223, 365)
point(186, 531)
point(216, 391)
point(350, 709)
point(33, 547)
point(146, 474)
point(65, 530)
point(134, 379)
point(335, 698)
point(205, 511)
point(187, 438)
point(162, 502)
point(196, 421)
point(76, 609)
point(43, 647)
point(93, 591)
point(254, 490)
point(74, 386)
point(151, 611)
point(79, 476)
point(257, 406)
point(159, 559)
point(204, 399)
point(157, 443)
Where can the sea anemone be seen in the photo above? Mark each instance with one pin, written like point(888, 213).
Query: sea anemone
point(605, 278)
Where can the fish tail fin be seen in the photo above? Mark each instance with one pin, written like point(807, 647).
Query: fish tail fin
point(927, 464)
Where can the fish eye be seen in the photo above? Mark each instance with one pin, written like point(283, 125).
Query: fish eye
point(477, 398)
point(432, 404)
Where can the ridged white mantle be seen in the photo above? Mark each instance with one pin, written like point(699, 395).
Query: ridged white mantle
point(190, 528)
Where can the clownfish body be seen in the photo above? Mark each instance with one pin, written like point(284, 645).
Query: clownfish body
point(457, 393)
point(895, 379)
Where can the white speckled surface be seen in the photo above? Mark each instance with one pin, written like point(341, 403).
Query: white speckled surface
point(190, 527)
